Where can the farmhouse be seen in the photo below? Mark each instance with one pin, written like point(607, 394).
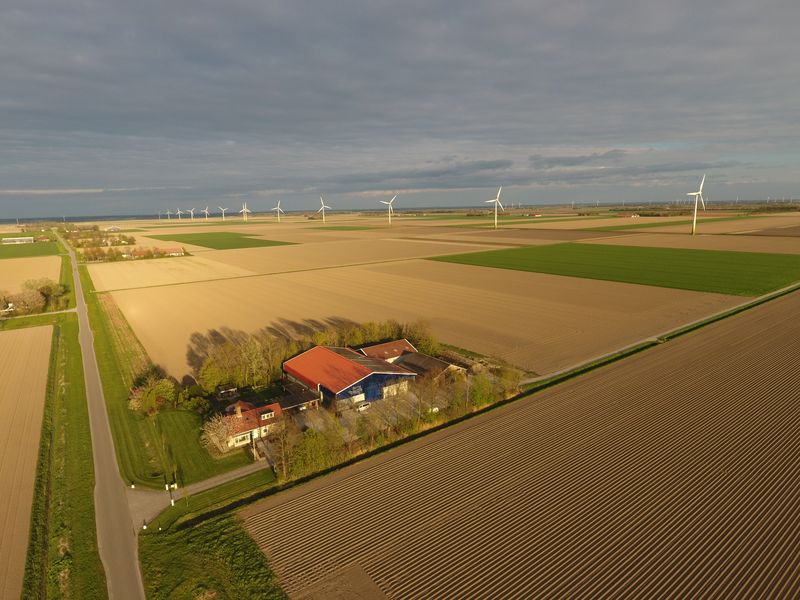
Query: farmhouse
point(18, 240)
point(388, 351)
point(344, 374)
point(247, 424)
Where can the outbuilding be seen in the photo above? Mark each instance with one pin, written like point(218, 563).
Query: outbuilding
point(339, 374)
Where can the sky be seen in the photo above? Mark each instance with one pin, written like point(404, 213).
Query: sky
point(117, 107)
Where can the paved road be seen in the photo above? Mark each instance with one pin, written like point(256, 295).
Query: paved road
point(116, 535)
point(145, 505)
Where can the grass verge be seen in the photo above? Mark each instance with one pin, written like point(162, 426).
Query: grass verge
point(148, 448)
point(220, 240)
point(62, 559)
point(724, 272)
point(216, 559)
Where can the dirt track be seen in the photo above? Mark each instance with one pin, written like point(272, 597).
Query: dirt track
point(674, 473)
point(24, 360)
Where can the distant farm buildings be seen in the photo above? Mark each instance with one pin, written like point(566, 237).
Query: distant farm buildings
point(17, 240)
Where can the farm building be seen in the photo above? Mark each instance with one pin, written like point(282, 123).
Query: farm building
point(429, 366)
point(388, 351)
point(344, 374)
point(248, 424)
point(17, 240)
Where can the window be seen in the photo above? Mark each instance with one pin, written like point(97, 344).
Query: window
point(242, 439)
point(267, 415)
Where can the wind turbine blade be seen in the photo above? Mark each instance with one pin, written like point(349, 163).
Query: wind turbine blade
point(702, 181)
point(393, 199)
point(498, 192)
point(320, 208)
point(490, 201)
point(702, 201)
point(385, 202)
point(500, 204)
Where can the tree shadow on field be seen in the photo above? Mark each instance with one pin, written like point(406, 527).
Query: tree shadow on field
point(201, 345)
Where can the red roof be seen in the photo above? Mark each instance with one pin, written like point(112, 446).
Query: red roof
point(336, 368)
point(388, 350)
point(251, 419)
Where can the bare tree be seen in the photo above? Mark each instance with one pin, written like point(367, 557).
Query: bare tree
point(216, 432)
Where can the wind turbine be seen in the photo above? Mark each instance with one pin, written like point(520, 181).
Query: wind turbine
point(322, 207)
point(191, 212)
point(169, 212)
point(697, 195)
point(223, 211)
point(391, 208)
point(179, 212)
point(205, 212)
point(279, 210)
point(245, 211)
point(159, 215)
point(496, 202)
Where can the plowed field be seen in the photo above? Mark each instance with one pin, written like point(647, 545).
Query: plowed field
point(24, 359)
point(537, 321)
point(674, 473)
point(16, 271)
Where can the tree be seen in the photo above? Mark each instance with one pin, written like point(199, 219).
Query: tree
point(509, 378)
point(216, 432)
point(283, 438)
point(27, 302)
point(481, 390)
point(311, 455)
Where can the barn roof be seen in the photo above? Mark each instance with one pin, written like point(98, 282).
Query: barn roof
point(337, 368)
point(388, 350)
point(424, 365)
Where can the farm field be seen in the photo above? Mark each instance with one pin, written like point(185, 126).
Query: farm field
point(540, 322)
point(673, 473)
point(751, 225)
point(24, 361)
point(165, 271)
point(16, 271)
point(740, 273)
point(734, 243)
point(29, 250)
point(218, 240)
point(225, 264)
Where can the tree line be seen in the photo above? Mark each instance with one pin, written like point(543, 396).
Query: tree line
point(37, 295)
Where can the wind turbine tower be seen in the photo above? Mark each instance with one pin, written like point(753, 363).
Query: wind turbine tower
point(279, 210)
point(698, 195)
point(496, 202)
point(205, 212)
point(179, 212)
point(322, 207)
point(191, 212)
point(245, 211)
point(391, 208)
point(223, 211)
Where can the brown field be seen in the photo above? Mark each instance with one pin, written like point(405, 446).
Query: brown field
point(741, 226)
point(24, 359)
point(244, 262)
point(588, 223)
point(736, 243)
point(672, 474)
point(540, 322)
point(163, 271)
point(16, 271)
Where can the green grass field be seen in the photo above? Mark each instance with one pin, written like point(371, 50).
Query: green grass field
point(737, 273)
point(219, 240)
point(215, 559)
point(62, 559)
point(29, 250)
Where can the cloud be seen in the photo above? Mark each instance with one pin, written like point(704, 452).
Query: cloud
point(228, 98)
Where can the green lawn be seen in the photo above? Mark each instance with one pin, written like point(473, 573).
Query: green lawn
point(516, 220)
point(147, 449)
point(738, 273)
point(62, 559)
point(214, 559)
point(28, 250)
point(219, 240)
point(181, 429)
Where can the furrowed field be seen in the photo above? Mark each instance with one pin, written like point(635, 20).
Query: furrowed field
point(739, 273)
point(24, 360)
